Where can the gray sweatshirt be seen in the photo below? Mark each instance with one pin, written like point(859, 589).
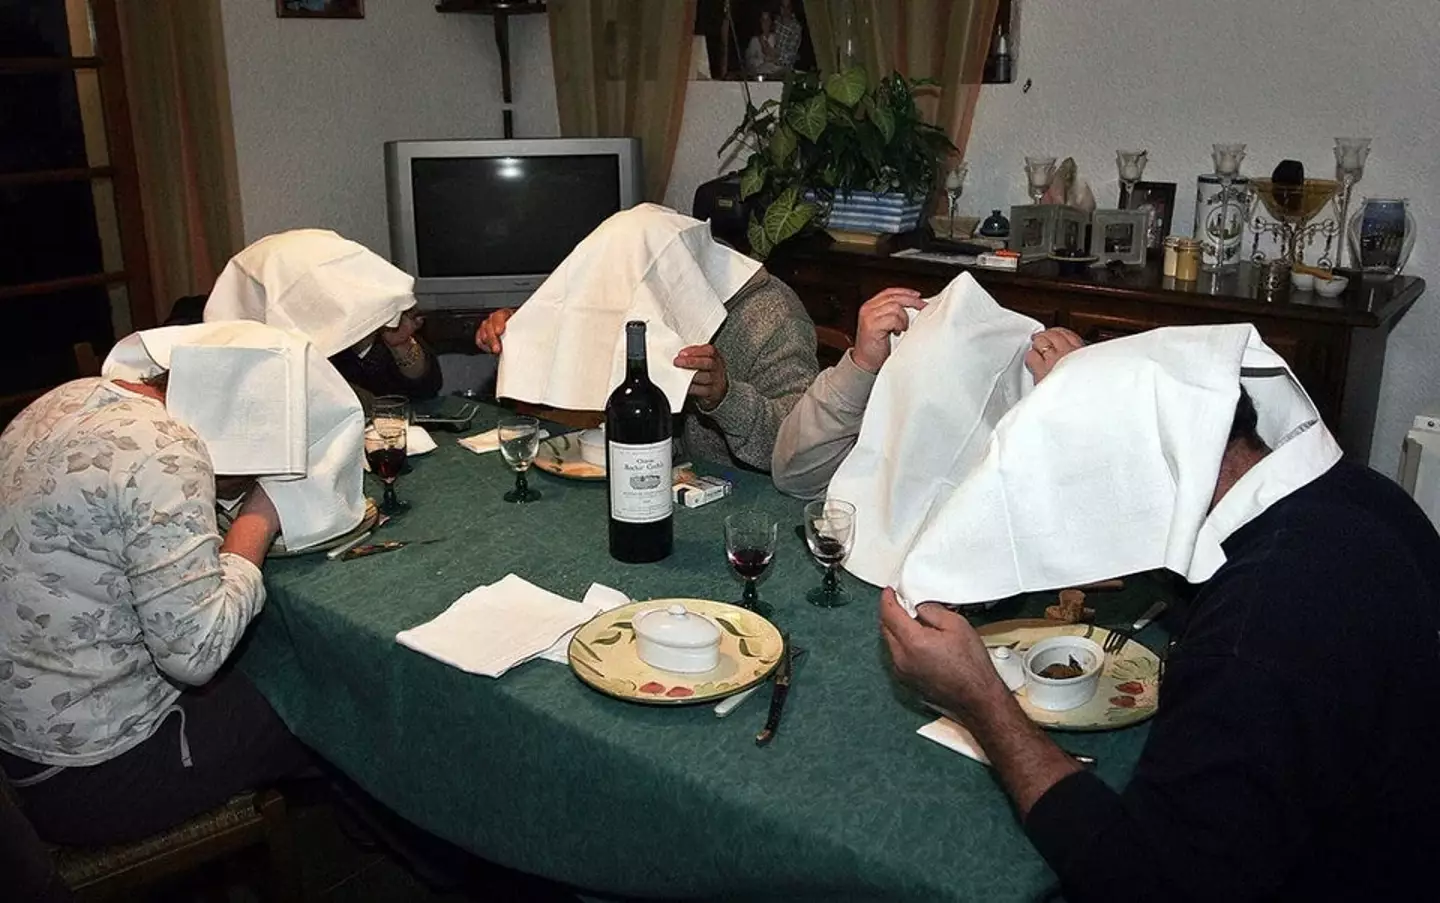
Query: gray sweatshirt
point(821, 430)
point(768, 343)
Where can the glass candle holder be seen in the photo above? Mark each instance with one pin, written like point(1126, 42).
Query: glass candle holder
point(1038, 173)
point(1350, 157)
point(1130, 165)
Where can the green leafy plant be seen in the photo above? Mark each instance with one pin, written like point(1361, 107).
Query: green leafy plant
point(829, 136)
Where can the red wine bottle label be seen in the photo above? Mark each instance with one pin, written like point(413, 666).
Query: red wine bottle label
point(640, 482)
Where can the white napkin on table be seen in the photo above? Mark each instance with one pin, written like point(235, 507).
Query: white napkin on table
point(598, 599)
point(267, 404)
point(328, 288)
point(489, 441)
point(954, 736)
point(951, 377)
point(493, 628)
point(565, 347)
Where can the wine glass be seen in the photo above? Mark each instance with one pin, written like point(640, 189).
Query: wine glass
point(519, 441)
point(829, 532)
point(954, 187)
point(385, 442)
point(750, 547)
point(1038, 173)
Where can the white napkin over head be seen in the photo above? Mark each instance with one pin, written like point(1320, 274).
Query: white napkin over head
point(1109, 467)
point(950, 378)
point(493, 628)
point(328, 288)
point(565, 346)
point(265, 403)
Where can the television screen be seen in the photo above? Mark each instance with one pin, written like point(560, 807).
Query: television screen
point(504, 216)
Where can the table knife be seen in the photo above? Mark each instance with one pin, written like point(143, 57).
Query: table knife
point(732, 702)
point(1150, 614)
point(376, 548)
point(778, 695)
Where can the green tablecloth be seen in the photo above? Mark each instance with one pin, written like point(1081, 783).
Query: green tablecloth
point(538, 772)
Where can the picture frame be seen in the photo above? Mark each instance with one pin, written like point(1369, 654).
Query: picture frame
point(1119, 235)
point(1071, 225)
point(320, 9)
point(754, 40)
point(1159, 199)
point(1037, 230)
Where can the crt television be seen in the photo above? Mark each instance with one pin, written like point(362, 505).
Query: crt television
point(497, 216)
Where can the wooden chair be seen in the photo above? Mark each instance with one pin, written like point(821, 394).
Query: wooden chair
point(831, 345)
point(11, 404)
point(123, 872)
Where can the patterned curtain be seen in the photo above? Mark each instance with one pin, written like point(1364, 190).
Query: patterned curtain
point(621, 68)
point(944, 40)
point(174, 53)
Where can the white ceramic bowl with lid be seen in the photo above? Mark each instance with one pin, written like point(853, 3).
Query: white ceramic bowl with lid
point(1063, 694)
point(592, 447)
point(677, 639)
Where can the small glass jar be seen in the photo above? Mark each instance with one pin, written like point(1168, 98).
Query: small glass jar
point(1171, 241)
point(1187, 260)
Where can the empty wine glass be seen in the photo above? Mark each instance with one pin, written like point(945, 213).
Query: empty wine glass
point(1038, 173)
point(829, 532)
point(385, 445)
point(750, 547)
point(519, 441)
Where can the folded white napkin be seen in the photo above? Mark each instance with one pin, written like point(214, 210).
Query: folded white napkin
point(333, 290)
point(265, 403)
point(489, 441)
point(955, 736)
point(565, 347)
point(1109, 465)
point(491, 629)
point(598, 599)
point(951, 377)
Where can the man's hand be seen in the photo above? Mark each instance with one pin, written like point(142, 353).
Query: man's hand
point(487, 337)
point(1047, 348)
point(401, 333)
point(942, 657)
point(710, 383)
point(880, 318)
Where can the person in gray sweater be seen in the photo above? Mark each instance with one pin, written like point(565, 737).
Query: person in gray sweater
point(747, 378)
point(824, 425)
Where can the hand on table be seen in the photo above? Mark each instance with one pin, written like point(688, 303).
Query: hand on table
point(487, 337)
point(1047, 348)
point(941, 656)
point(880, 318)
point(710, 383)
point(401, 333)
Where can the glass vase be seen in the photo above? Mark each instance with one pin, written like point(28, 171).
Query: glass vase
point(1381, 233)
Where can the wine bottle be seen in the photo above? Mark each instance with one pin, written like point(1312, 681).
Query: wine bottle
point(637, 452)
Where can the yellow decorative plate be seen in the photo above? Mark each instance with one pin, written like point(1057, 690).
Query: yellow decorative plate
point(1129, 685)
point(560, 455)
point(603, 655)
point(278, 550)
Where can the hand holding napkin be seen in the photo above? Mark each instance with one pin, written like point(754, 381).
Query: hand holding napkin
point(565, 347)
point(491, 629)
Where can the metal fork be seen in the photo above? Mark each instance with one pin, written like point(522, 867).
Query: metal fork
point(1118, 638)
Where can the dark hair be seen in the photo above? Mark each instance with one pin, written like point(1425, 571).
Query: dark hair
point(1242, 428)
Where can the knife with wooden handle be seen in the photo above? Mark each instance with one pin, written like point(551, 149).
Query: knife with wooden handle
point(778, 695)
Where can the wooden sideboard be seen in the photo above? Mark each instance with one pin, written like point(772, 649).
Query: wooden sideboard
point(1336, 346)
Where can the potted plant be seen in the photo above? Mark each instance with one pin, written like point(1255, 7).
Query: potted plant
point(833, 146)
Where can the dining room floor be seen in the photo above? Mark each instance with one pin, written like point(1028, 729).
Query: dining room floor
point(342, 864)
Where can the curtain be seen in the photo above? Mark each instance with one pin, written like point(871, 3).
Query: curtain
point(621, 69)
point(945, 40)
point(174, 54)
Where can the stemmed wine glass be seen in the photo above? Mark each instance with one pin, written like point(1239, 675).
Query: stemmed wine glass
point(385, 442)
point(829, 532)
point(1350, 156)
point(1038, 173)
point(954, 187)
point(750, 546)
point(519, 441)
point(1227, 159)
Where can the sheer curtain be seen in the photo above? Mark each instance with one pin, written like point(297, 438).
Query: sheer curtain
point(174, 53)
point(620, 70)
point(945, 40)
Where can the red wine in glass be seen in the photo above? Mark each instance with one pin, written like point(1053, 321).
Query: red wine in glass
point(827, 551)
point(386, 463)
point(750, 563)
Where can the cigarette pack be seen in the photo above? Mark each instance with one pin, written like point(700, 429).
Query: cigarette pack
point(998, 261)
point(693, 491)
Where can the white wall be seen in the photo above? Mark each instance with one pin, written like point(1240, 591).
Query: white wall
point(314, 100)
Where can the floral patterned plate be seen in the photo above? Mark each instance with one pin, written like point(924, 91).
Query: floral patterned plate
point(603, 655)
point(560, 455)
point(1129, 684)
point(367, 522)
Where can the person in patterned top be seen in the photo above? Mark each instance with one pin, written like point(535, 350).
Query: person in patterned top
point(788, 34)
point(120, 603)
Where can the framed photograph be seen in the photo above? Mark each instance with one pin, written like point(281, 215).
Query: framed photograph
point(1032, 230)
point(1158, 199)
point(754, 40)
point(1119, 235)
point(1070, 226)
point(320, 9)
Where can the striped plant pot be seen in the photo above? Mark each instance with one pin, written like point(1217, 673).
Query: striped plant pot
point(866, 211)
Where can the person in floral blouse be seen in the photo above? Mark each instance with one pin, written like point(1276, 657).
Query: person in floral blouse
point(120, 603)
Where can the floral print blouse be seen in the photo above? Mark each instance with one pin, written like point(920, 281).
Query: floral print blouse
point(113, 589)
